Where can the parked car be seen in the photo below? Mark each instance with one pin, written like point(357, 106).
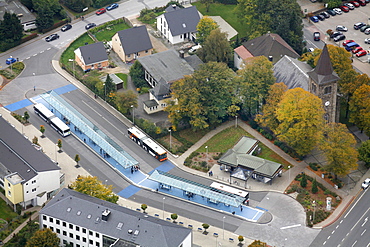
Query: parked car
point(349, 5)
point(112, 6)
point(316, 36)
point(356, 4)
point(357, 49)
point(367, 41)
point(52, 37)
point(367, 1)
point(10, 60)
point(341, 28)
point(362, 29)
point(367, 31)
point(351, 46)
point(331, 12)
point(358, 25)
point(339, 38)
point(101, 11)
point(361, 2)
point(314, 19)
point(365, 184)
point(335, 34)
point(195, 48)
point(361, 53)
point(90, 25)
point(338, 11)
point(66, 27)
point(325, 14)
point(347, 42)
point(344, 8)
point(321, 18)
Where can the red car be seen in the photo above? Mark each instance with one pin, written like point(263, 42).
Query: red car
point(356, 50)
point(101, 11)
point(362, 2)
point(347, 42)
point(356, 4)
point(361, 53)
point(344, 8)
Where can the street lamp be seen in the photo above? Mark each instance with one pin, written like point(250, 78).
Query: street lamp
point(133, 115)
point(56, 156)
point(170, 139)
point(236, 121)
point(163, 206)
point(73, 67)
point(314, 209)
point(289, 172)
point(207, 154)
point(105, 90)
point(223, 227)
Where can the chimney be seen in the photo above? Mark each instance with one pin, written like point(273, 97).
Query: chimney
point(105, 215)
point(181, 53)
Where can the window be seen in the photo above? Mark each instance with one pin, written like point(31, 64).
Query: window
point(34, 189)
point(9, 193)
point(97, 244)
point(313, 88)
point(9, 185)
point(64, 224)
point(78, 237)
point(64, 233)
point(71, 235)
point(64, 241)
point(77, 245)
point(84, 240)
point(27, 192)
point(84, 230)
point(34, 181)
point(70, 226)
point(44, 226)
point(44, 217)
point(146, 51)
point(58, 230)
point(97, 235)
point(58, 222)
point(51, 219)
point(91, 242)
point(90, 233)
point(129, 55)
point(327, 90)
point(52, 228)
point(77, 228)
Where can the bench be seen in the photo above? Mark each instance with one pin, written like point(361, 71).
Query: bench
point(200, 229)
point(215, 234)
point(156, 215)
point(190, 226)
point(231, 240)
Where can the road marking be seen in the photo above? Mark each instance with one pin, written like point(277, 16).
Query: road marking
point(328, 237)
point(287, 227)
point(34, 55)
point(324, 243)
point(363, 232)
point(354, 243)
point(337, 227)
point(28, 58)
point(48, 49)
point(332, 232)
point(354, 204)
point(364, 222)
point(41, 52)
point(341, 222)
point(360, 219)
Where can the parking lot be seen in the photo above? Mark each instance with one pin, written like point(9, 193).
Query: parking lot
point(360, 14)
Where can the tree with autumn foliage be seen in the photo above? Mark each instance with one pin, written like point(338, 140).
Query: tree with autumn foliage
point(364, 153)
point(124, 100)
point(92, 186)
point(268, 118)
point(359, 106)
point(43, 238)
point(254, 81)
point(203, 99)
point(338, 147)
point(204, 28)
point(300, 116)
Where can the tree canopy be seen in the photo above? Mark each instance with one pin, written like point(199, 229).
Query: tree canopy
point(93, 187)
point(138, 75)
point(44, 238)
point(300, 116)
point(204, 28)
point(126, 99)
point(338, 146)
point(203, 99)
point(359, 106)
point(11, 28)
point(364, 153)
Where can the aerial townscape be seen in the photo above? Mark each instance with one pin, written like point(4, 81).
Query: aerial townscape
point(184, 123)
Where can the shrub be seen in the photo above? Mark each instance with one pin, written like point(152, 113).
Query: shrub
point(314, 187)
point(303, 182)
point(313, 166)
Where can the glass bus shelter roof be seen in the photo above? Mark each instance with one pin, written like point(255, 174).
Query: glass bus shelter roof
point(89, 129)
point(212, 194)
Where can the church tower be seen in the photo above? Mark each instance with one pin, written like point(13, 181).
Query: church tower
point(323, 82)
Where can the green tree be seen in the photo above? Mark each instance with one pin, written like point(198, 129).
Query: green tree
point(42, 130)
point(203, 99)
point(44, 18)
point(359, 106)
point(77, 5)
point(338, 146)
point(11, 29)
point(364, 153)
point(216, 48)
point(333, 3)
point(240, 238)
point(144, 207)
point(258, 243)
point(138, 75)
point(314, 188)
point(174, 217)
point(303, 182)
point(26, 116)
point(255, 80)
point(59, 144)
point(126, 99)
point(204, 28)
point(109, 85)
point(300, 116)
point(35, 140)
point(205, 226)
point(268, 118)
point(77, 158)
point(207, 3)
point(44, 238)
point(93, 187)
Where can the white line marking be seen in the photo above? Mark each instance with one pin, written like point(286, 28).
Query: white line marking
point(364, 222)
point(354, 243)
point(363, 232)
point(332, 232)
point(287, 227)
point(48, 49)
point(34, 55)
point(329, 237)
point(324, 243)
point(337, 227)
point(41, 51)
point(354, 204)
point(28, 58)
point(341, 222)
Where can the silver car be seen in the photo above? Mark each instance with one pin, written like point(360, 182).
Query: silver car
point(338, 11)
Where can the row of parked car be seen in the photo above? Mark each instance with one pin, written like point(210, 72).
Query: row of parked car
point(352, 46)
point(346, 7)
point(103, 10)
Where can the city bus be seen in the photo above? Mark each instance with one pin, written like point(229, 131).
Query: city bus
point(232, 190)
point(60, 126)
point(43, 112)
point(147, 144)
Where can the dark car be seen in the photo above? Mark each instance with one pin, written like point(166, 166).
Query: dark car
point(344, 8)
point(363, 28)
point(112, 6)
point(66, 27)
point(321, 17)
point(362, 2)
point(316, 36)
point(359, 25)
point(335, 34)
point(52, 37)
point(101, 11)
point(10, 60)
point(325, 14)
point(339, 38)
point(314, 19)
point(331, 12)
point(90, 25)
point(341, 28)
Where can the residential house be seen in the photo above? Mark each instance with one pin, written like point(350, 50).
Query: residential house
point(161, 70)
point(129, 44)
point(82, 220)
point(241, 163)
point(270, 45)
point(321, 81)
point(27, 175)
point(92, 56)
point(178, 24)
point(241, 54)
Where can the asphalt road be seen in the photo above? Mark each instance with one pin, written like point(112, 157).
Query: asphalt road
point(352, 229)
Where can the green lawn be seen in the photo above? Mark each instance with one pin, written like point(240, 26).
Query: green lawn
point(226, 12)
point(69, 52)
point(123, 77)
point(6, 212)
point(107, 33)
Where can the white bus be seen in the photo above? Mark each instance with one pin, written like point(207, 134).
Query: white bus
point(232, 190)
point(43, 112)
point(147, 144)
point(60, 126)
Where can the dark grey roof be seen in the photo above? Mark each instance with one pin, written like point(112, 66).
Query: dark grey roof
point(18, 155)
point(152, 231)
point(292, 72)
point(166, 65)
point(182, 20)
point(194, 61)
point(150, 103)
point(161, 91)
point(270, 44)
point(172, 7)
point(135, 39)
point(93, 53)
point(324, 72)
